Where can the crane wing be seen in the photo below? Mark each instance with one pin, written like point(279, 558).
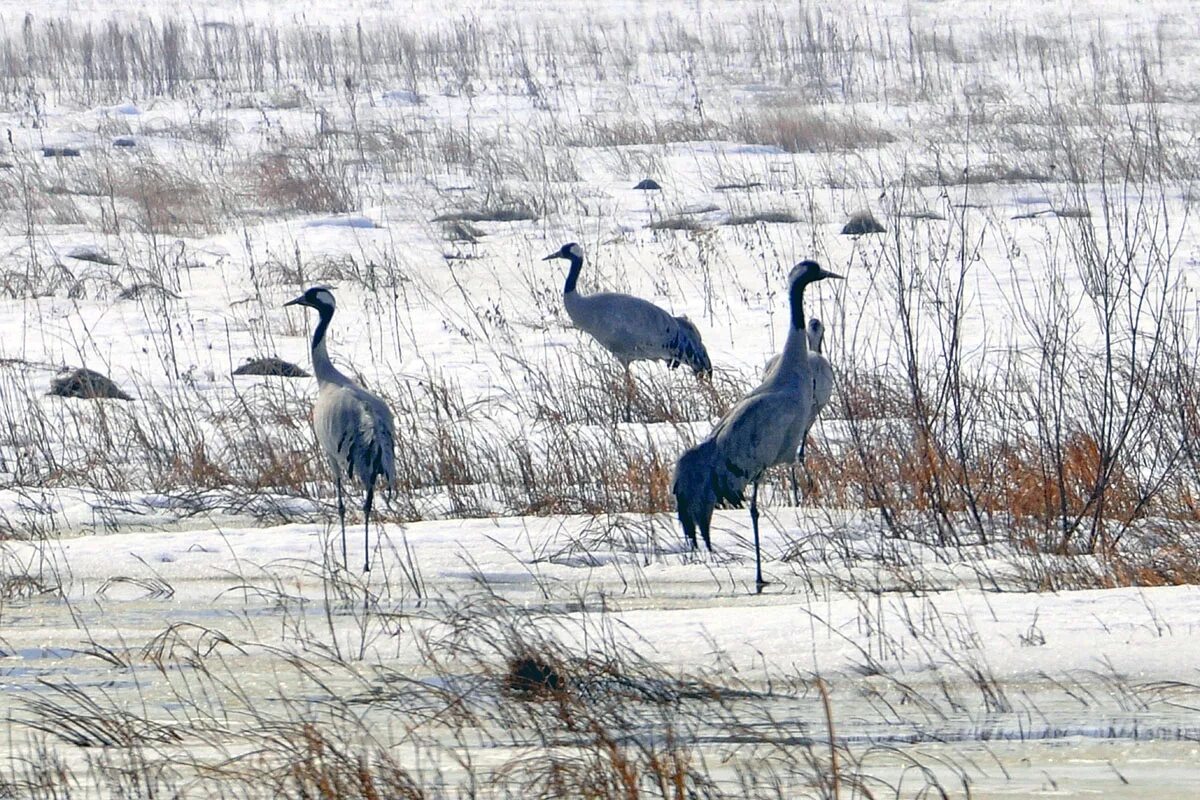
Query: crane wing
point(633, 329)
point(356, 431)
point(761, 431)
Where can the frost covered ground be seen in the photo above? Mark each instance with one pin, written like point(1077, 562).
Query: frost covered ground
point(988, 587)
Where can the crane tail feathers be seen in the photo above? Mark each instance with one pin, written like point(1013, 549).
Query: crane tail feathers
point(693, 487)
point(688, 348)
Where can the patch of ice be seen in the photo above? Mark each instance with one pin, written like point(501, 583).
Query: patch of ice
point(400, 97)
point(340, 221)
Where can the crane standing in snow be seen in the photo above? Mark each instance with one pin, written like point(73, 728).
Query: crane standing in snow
point(630, 328)
point(353, 426)
point(765, 428)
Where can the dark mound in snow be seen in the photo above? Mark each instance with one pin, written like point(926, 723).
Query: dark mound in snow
point(271, 366)
point(648, 185)
point(530, 677)
point(862, 222)
point(90, 253)
point(86, 384)
point(139, 290)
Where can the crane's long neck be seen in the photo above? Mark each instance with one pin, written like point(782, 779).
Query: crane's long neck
point(794, 359)
point(324, 369)
point(573, 274)
point(816, 340)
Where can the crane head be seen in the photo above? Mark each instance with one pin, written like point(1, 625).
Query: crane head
point(570, 251)
point(816, 334)
point(318, 297)
point(808, 271)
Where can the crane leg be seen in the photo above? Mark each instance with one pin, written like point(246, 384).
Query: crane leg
point(367, 527)
point(689, 535)
point(759, 583)
point(342, 518)
point(795, 478)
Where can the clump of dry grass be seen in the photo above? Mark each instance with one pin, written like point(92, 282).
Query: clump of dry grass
point(627, 131)
point(163, 198)
point(318, 766)
point(682, 223)
point(518, 212)
point(805, 130)
point(766, 217)
point(1022, 171)
point(20, 586)
point(305, 180)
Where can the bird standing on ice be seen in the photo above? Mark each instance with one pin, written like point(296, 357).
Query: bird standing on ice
point(353, 426)
point(630, 328)
point(765, 428)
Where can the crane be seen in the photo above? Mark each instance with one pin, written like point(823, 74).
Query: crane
point(822, 378)
point(763, 429)
point(630, 328)
point(822, 374)
point(354, 427)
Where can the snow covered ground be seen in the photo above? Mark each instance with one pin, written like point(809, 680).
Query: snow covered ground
point(1007, 693)
point(974, 598)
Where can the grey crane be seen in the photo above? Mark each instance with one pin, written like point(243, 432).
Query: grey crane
point(763, 429)
point(353, 426)
point(630, 328)
point(822, 374)
point(822, 378)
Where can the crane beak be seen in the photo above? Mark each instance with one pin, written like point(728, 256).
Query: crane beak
point(299, 301)
point(552, 256)
point(827, 274)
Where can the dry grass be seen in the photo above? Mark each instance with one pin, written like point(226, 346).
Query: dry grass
point(164, 199)
point(304, 180)
point(803, 130)
point(628, 132)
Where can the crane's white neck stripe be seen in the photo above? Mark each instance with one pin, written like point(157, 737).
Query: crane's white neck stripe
point(325, 298)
